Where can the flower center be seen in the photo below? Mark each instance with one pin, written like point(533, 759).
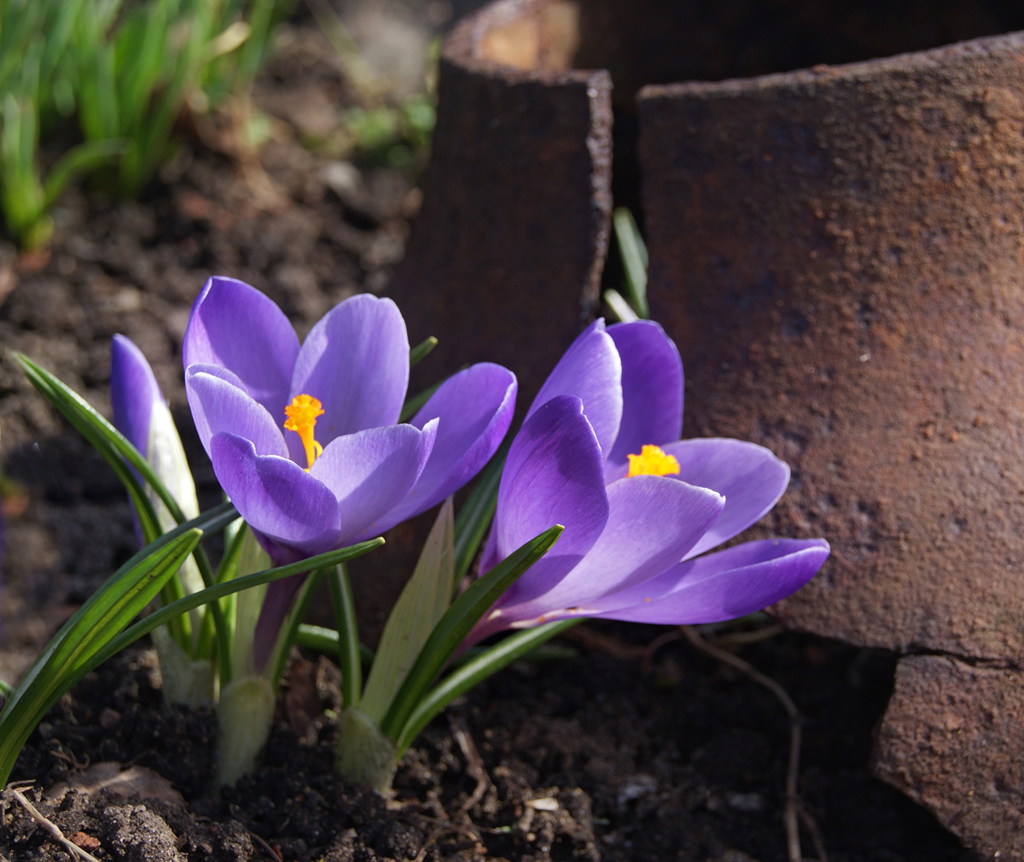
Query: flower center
point(302, 413)
point(652, 462)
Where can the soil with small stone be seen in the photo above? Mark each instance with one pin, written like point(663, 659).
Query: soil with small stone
point(629, 750)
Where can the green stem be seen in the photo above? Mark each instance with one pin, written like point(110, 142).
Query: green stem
point(348, 636)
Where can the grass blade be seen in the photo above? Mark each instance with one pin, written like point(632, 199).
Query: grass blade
point(476, 671)
point(418, 353)
point(83, 637)
point(475, 516)
point(422, 603)
point(157, 618)
point(457, 622)
point(634, 260)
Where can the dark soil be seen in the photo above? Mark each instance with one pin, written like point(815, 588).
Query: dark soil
point(610, 755)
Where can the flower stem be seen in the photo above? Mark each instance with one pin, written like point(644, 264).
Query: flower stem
point(348, 636)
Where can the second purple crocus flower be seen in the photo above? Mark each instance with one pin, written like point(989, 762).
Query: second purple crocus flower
point(600, 453)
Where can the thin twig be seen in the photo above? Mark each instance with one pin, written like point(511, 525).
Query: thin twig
point(51, 827)
point(791, 811)
point(734, 639)
point(655, 645)
point(474, 763)
point(811, 825)
point(590, 639)
point(431, 838)
point(266, 847)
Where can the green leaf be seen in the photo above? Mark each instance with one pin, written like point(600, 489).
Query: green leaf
point(349, 653)
point(634, 260)
point(106, 440)
point(456, 624)
point(108, 611)
point(474, 672)
point(618, 306)
point(161, 616)
point(79, 160)
point(120, 454)
point(325, 641)
point(418, 353)
point(423, 601)
point(476, 514)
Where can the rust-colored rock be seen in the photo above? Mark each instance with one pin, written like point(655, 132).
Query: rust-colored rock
point(505, 257)
point(952, 739)
point(839, 254)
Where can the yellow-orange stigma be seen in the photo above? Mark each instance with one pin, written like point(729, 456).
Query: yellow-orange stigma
point(302, 413)
point(652, 462)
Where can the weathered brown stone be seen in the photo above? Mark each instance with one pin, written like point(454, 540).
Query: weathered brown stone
point(505, 258)
point(952, 739)
point(839, 254)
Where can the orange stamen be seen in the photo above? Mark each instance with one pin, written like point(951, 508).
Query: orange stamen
point(302, 413)
point(652, 461)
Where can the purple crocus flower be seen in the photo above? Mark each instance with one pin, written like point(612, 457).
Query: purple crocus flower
point(141, 414)
point(304, 440)
point(599, 453)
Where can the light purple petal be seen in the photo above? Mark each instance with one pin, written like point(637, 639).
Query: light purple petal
point(652, 522)
point(474, 409)
point(237, 327)
point(749, 477)
point(722, 586)
point(652, 388)
point(371, 471)
point(591, 371)
point(220, 407)
point(489, 556)
point(133, 392)
point(276, 496)
point(355, 361)
point(553, 475)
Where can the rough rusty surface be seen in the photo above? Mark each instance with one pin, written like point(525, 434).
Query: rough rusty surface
point(509, 246)
point(838, 254)
point(946, 712)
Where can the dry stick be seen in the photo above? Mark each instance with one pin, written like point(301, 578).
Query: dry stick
point(474, 763)
point(51, 827)
point(791, 812)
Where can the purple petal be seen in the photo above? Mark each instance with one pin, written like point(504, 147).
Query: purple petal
point(591, 371)
point(652, 522)
point(652, 388)
point(220, 407)
point(474, 409)
point(553, 475)
point(276, 496)
point(355, 361)
point(133, 392)
point(722, 586)
point(237, 327)
point(749, 477)
point(371, 471)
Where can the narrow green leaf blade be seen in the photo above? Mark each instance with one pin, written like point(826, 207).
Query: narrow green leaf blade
point(475, 515)
point(453, 627)
point(476, 671)
point(423, 601)
point(157, 618)
point(105, 614)
point(418, 353)
point(97, 430)
point(634, 259)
